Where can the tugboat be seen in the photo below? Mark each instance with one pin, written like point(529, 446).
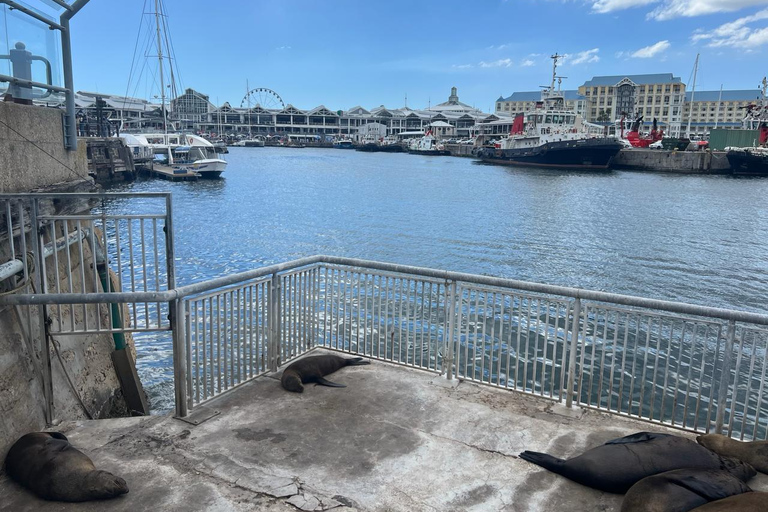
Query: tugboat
point(427, 145)
point(641, 141)
point(753, 161)
point(550, 136)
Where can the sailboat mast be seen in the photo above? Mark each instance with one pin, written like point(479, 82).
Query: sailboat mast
point(160, 62)
point(693, 91)
point(719, 101)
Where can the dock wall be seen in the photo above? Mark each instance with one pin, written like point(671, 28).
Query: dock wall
point(33, 157)
point(32, 153)
point(460, 149)
point(684, 162)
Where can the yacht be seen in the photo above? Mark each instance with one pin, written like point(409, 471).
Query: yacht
point(551, 136)
point(344, 144)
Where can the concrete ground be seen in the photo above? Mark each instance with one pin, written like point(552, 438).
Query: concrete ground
point(396, 439)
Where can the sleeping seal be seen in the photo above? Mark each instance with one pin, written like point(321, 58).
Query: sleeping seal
point(619, 464)
point(46, 464)
point(754, 453)
point(747, 502)
point(681, 490)
point(313, 369)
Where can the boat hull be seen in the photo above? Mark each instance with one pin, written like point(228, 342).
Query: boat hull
point(594, 154)
point(381, 148)
point(208, 168)
point(746, 163)
point(430, 152)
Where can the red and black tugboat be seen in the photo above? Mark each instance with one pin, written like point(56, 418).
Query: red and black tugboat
point(753, 161)
point(551, 136)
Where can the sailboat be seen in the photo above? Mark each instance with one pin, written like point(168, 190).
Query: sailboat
point(179, 153)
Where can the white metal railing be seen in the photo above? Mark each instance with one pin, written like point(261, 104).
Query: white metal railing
point(686, 366)
point(690, 367)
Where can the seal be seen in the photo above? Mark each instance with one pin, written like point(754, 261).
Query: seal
point(681, 490)
point(49, 466)
point(747, 502)
point(754, 453)
point(314, 368)
point(618, 464)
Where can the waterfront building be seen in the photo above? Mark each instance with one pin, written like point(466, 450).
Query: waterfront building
point(193, 111)
point(717, 109)
point(520, 102)
point(659, 96)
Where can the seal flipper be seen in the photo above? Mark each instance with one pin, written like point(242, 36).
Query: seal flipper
point(358, 361)
point(544, 460)
point(322, 382)
point(639, 437)
point(711, 490)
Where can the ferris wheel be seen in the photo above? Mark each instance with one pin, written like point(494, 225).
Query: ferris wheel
point(266, 98)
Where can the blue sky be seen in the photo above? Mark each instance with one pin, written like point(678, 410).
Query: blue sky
point(342, 53)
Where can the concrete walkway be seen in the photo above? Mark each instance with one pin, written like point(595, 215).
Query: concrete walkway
point(396, 439)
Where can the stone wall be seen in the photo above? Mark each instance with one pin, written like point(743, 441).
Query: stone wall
point(32, 157)
point(32, 152)
point(691, 162)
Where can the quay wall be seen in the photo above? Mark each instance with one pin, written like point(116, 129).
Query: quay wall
point(684, 162)
point(32, 152)
point(460, 149)
point(32, 157)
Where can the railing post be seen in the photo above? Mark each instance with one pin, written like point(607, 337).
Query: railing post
point(273, 348)
point(575, 329)
point(40, 287)
point(725, 377)
point(450, 312)
point(178, 322)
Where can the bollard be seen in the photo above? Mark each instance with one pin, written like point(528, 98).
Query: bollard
point(21, 60)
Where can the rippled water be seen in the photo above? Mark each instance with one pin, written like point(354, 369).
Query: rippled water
point(697, 239)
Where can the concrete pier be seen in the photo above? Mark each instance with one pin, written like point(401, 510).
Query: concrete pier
point(684, 162)
point(395, 439)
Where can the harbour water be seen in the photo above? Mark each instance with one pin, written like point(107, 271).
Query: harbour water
point(696, 239)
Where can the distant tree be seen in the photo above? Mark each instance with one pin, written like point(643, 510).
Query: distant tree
point(604, 116)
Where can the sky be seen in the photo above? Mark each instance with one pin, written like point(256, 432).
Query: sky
point(342, 53)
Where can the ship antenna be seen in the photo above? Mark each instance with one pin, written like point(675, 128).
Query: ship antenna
point(554, 70)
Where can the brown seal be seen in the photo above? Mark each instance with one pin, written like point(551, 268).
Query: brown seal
point(617, 465)
point(754, 453)
point(48, 465)
point(681, 490)
point(313, 369)
point(747, 502)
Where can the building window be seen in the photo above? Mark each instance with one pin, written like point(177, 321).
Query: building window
point(666, 99)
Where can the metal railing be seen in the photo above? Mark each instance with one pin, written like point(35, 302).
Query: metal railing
point(690, 367)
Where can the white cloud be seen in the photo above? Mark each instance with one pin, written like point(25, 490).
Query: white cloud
point(584, 57)
point(669, 9)
point(501, 63)
point(499, 47)
point(736, 33)
point(604, 6)
point(283, 48)
point(651, 51)
point(527, 63)
point(690, 8)
point(462, 66)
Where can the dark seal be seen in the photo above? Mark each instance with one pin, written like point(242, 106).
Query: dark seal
point(48, 465)
point(313, 369)
point(681, 490)
point(619, 464)
point(747, 502)
point(754, 453)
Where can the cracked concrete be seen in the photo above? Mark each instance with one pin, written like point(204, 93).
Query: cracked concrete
point(396, 439)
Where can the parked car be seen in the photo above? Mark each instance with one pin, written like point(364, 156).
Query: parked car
point(656, 145)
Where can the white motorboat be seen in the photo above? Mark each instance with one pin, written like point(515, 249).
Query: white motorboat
point(186, 151)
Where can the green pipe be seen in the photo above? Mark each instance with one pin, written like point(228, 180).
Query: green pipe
point(117, 320)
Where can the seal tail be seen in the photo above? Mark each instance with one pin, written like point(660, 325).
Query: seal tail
point(357, 361)
point(542, 459)
point(321, 381)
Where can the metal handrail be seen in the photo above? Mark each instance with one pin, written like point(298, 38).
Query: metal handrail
point(212, 284)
